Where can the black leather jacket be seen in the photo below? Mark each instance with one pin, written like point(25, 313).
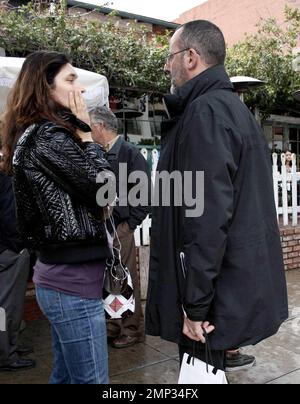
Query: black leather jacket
point(55, 189)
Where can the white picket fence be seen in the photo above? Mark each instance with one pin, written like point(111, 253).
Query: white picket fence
point(286, 191)
point(142, 233)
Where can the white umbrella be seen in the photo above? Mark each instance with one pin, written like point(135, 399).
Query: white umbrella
point(244, 83)
point(97, 88)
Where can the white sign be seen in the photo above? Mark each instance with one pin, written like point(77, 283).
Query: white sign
point(296, 61)
point(2, 320)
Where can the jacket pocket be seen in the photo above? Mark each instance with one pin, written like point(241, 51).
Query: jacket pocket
point(7, 260)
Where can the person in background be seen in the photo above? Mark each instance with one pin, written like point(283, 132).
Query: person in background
point(289, 184)
point(235, 360)
point(216, 273)
point(125, 332)
point(14, 272)
point(49, 149)
point(288, 161)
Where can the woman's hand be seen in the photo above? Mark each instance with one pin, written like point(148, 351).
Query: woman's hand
point(79, 109)
point(78, 106)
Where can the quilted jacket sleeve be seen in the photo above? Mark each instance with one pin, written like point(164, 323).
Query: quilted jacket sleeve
point(71, 164)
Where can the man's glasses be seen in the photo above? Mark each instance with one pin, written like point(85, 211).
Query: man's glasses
point(171, 55)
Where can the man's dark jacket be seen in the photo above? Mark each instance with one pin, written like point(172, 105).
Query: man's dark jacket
point(235, 273)
point(9, 236)
point(123, 152)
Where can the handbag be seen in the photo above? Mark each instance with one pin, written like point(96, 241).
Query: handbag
point(118, 293)
point(116, 277)
point(195, 371)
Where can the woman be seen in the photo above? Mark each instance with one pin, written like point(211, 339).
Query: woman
point(49, 149)
point(289, 169)
point(288, 161)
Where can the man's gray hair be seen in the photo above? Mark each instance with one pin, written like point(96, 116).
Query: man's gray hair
point(207, 40)
point(106, 116)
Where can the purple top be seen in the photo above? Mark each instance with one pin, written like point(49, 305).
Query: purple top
point(82, 280)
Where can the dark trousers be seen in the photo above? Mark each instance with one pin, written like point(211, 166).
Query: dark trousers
point(187, 346)
point(134, 325)
point(14, 272)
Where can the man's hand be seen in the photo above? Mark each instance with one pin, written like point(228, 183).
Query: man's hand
point(194, 330)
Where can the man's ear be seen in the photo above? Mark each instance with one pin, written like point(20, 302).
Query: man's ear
point(192, 59)
point(102, 126)
point(99, 125)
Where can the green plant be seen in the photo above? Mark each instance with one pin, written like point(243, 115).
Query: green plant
point(268, 56)
point(127, 56)
point(130, 58)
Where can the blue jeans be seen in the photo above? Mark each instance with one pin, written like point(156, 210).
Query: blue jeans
point(78, 338)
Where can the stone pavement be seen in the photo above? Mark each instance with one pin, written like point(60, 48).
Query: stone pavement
point(156, 361)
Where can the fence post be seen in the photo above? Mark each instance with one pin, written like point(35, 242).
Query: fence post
point(144, 153)
point(137, 236)
point(294, 191)
point(275, 181)
point(142, 233)
point(138, 240)
point(155, 158)
point(284, 192)
point(146, 230)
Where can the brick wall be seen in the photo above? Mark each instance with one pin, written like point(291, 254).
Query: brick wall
point(236, 18)
point(290, 238)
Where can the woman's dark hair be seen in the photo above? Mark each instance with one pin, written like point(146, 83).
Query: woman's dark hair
point(30, 100)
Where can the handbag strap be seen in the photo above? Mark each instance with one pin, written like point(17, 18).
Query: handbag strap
point(116, 250)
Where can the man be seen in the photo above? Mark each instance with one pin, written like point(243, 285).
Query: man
point(234, 286)
point(14, 271)
point(130, 331)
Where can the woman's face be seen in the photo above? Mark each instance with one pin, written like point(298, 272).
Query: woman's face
point(66, 82)
point(288, 157)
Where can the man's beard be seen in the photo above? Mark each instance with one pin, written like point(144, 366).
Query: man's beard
point(178, 81)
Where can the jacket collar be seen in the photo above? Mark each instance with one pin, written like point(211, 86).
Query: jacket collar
point(113, 153)
point(214, 78)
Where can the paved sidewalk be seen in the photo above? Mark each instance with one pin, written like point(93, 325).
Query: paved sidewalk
point(156, 361)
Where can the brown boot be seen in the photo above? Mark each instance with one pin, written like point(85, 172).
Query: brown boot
point(124, 341)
